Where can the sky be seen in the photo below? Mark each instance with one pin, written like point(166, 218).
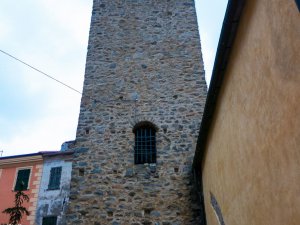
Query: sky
point(36, 113)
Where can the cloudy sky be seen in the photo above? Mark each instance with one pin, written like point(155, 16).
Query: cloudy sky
point(36, 113)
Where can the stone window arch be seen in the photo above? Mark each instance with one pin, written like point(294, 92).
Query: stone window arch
point(145, 143)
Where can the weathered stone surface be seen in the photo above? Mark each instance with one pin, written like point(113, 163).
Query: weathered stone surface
point(144, 63)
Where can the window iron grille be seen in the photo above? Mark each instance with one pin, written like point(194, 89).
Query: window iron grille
point(145, 145)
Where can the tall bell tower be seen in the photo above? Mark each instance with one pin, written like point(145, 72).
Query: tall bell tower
point(143, 97)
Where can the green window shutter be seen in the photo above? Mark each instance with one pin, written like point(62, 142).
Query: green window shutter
point(51, 220)
point(54, 180)
point(22, 180)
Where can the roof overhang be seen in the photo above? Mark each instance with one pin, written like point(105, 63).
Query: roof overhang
point(27, 158)
point(30, 158)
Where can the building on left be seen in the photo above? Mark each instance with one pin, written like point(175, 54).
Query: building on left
point(44, 177)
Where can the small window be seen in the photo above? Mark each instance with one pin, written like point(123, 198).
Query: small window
point(55, 175)
point(145, 144)
point(22, 180)
point(50, 220)
point(298, 4)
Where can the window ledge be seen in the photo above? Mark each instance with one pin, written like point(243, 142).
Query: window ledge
point(52, 189)
point(20, 190)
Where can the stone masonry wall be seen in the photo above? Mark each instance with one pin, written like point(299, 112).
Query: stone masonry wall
point(144, 63)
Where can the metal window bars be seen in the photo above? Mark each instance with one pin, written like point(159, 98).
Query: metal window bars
point(145, 145)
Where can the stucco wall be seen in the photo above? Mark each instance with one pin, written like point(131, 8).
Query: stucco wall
point(7, 195)
point(252, 160)
point(54, 202)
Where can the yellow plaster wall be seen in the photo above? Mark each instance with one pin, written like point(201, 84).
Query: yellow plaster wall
point(252, 160)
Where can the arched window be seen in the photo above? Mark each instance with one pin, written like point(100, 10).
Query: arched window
point(145, 143)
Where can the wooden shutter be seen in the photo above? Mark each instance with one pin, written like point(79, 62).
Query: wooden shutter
point(55, 175)
point(22, 180)
point(51, 220)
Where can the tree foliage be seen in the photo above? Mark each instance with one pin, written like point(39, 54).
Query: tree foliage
point(16, 212)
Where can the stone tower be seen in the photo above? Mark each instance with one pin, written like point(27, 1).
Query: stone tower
point(142, 103)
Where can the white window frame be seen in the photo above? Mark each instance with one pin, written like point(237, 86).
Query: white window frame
point(16, 176)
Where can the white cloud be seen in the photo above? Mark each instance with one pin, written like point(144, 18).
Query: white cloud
point(210, 16)
point(70, 16)
point(47, 133)
point(208, 52)
point(5, 28)
point(52, 36)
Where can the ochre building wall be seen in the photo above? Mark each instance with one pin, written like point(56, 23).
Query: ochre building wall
point(144, 63)
point(252, 159)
